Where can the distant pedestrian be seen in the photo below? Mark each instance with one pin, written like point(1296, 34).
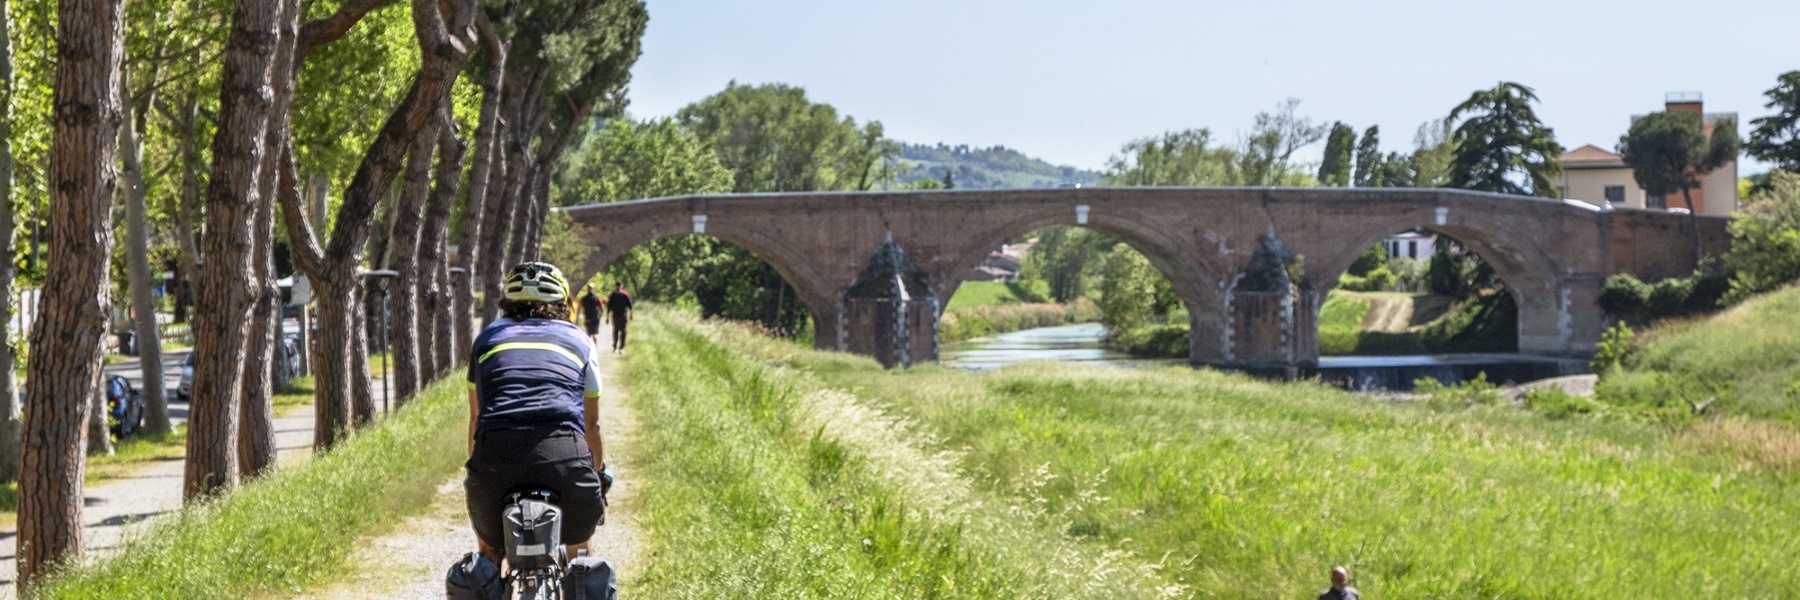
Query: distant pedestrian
point(618, 306)
point(1340, 586)
point(590, 312)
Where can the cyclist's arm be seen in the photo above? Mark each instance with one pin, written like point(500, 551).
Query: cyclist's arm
point(474, 412)
point(590, 411)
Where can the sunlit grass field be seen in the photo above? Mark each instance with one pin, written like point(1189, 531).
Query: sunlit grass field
point(777, 471)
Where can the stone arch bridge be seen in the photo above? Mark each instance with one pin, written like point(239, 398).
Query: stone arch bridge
point(1252, 264)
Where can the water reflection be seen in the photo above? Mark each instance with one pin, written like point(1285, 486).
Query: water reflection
point(1072, 343)
point(1081, 344)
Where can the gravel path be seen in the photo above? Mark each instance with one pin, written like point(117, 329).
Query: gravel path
point(412, 560)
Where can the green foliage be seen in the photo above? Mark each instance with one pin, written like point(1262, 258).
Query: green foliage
point(289, 532)
point(1153, 341)
point(1553, 402)
point(1450, 273)
point(1776, 138)
point(1668, 151)
point(1501, 146)
point(1267, 155)
point(1176, 158)
point(1369, 260)
point(1374, 281)
point(1627, 298)
point(1614, 347)
point(982, 168)
point(1477, 391)
point(773, 139)
point(1368, 158)
point(971, 322)
point(1127, 289)
point(1335, 170)
point(1765, 239)
point(630, 160)
point(1065, 258)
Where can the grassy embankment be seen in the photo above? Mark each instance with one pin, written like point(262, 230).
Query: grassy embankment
point(776, 471)
point(1748, 358)
point(982, 308)
point(295, 530)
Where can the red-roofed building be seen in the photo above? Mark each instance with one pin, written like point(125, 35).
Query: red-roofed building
point(1598, 176)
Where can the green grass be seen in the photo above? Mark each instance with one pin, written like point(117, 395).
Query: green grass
point(757, 483)
point(1748, 357)
point(1341, 323)
point(295, 530)
point(984, 293)
point(1190, 481)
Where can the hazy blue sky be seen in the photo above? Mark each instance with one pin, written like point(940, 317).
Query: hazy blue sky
point(1071, 81)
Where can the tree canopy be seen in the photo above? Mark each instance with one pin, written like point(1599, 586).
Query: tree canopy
point(1501, 146)
point(1776, 138)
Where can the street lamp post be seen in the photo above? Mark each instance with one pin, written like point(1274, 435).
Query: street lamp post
point(380, 278)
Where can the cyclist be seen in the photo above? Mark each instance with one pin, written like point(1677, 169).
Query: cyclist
point(534, 391)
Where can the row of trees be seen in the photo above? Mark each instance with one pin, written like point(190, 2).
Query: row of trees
point(763, 138)
point(379, 99)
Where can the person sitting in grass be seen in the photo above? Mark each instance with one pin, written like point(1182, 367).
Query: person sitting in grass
point(1340, 586)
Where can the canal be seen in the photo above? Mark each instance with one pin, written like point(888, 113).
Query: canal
point(1082, 344)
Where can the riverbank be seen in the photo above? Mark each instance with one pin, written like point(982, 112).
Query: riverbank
point(1058, 480)
point(983, 320)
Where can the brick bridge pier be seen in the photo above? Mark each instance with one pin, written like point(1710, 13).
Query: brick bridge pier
point(1252, 265)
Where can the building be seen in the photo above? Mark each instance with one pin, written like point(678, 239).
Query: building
point(1415, 244)
point(1598, 176)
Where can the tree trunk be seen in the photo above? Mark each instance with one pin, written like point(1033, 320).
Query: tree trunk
point(434, 296)
point(402, 326)
point(9, 260)
point(475, 208)
point(66, 339)
point(331, 357)
point(100, 442)
point(526, 118)
point(256, 417)
point(227, 294)
point(362, 394)
point(190, 206)
point(149, 335)
point(1693, 220)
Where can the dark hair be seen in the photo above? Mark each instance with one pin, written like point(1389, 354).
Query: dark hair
point(519, 310)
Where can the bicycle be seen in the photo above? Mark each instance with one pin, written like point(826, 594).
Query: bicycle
point(537, 565)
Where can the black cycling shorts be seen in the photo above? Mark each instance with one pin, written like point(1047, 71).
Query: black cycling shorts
point(553, 458)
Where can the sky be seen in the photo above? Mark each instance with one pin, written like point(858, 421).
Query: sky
point(1072, 81)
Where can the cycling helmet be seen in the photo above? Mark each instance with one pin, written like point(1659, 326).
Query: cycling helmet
point(536, 282)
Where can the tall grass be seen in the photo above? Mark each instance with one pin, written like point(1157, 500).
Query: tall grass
point(1233, 487)
point(295, 529)
point(759, 483)
point(1747, 357)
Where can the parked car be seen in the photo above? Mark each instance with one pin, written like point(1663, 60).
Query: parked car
point(124, 406)
point(186, 388)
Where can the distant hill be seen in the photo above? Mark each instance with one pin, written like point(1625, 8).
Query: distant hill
point(986, 168)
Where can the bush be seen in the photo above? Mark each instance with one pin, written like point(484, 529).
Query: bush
point(1377, 279)
point(1370, 260)
point(1625, 297)
point(1473, 391)
point(1555, 403)
point(1614, 347)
